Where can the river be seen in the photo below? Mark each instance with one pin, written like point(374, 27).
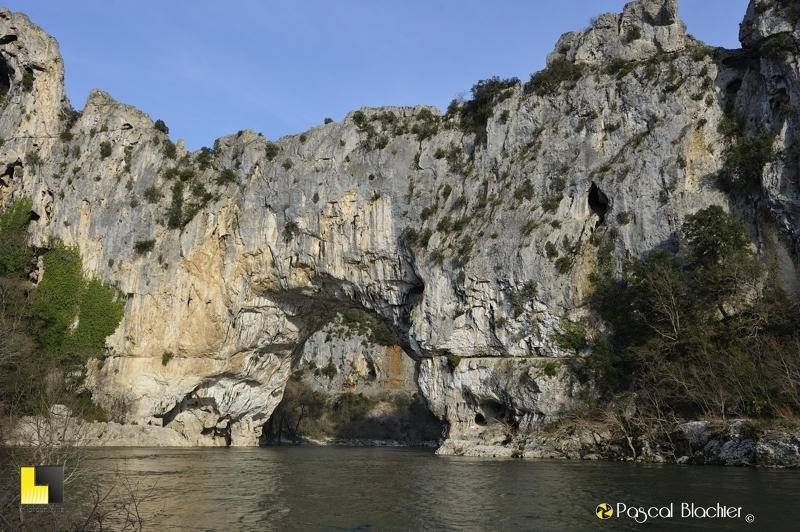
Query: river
point(311, 488)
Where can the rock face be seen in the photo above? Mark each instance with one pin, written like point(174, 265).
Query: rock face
point(359, 365)
point(643, 29)
point(472, 250)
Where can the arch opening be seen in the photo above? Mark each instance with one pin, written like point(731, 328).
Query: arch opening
point(598, 203)
point(352, 374)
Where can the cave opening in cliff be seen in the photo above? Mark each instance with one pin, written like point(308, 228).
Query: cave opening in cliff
point(598, 203)
point(491, 410)
point(6, 74)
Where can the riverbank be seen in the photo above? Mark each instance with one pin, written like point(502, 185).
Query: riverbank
point(735, 443)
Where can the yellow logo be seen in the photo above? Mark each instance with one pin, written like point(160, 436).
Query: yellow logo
point(41, 485)
point(604, 511)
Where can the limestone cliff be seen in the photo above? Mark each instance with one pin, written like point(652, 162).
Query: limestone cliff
point(472, 245)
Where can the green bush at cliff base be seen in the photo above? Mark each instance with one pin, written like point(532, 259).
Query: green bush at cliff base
point(350, 407)
point(100, 313)
point(701, 333)
point(14, 254)
point(64, 296)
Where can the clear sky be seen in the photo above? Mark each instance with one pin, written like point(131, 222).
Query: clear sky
point(209, 68)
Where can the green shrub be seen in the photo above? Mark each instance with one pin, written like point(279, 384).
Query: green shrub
point(564, 265)
point(328, 121)
point(551, 204)
point(461, 223)
point(679, 324)
point(517, 302)
point(27, 81)
point(525, 191)
point(100, 313)
point(84, 408)
point(170, 151)
point(634, 33)
point(551, 250)
point(287, 164)
point(303, 138)
point(186, 174)
point(779, 46)
point(444, 225)
point(166, 357)
point(175, 211)
point(67, 135)
point(226, 177)
point(330, 370)
point(290, 228)
point(573, 336)
point(792, 10)
point(349, 408)
point(429, 211)
point(64, 295)
point(14, 253)
point(530, 289)
point(33, 159)
point(546, 82)
point(427, 125)
point(152, 194)
point(315, 198)
point(746, 159)
point(105, 149)
point(409, 236)
point(424, 238)
point(446, 191)
point(368, 324)
point(529, 227)
point(144, 246)
point(624, 218)
point(550, 368)
point(205, 158)
point(171, 173)
point(161, 126)
point(70, 117)
point(464, 252)
point(58, 296)
point(199, 191)
point(452, 361)
point(487, 93)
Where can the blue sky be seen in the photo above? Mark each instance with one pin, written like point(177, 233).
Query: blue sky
point(281, 67)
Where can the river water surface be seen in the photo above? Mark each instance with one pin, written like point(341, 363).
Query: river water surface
point(364, 489)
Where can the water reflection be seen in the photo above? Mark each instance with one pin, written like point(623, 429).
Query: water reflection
point(334, 489)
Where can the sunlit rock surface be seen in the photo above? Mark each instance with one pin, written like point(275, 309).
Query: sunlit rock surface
point(219, 311)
